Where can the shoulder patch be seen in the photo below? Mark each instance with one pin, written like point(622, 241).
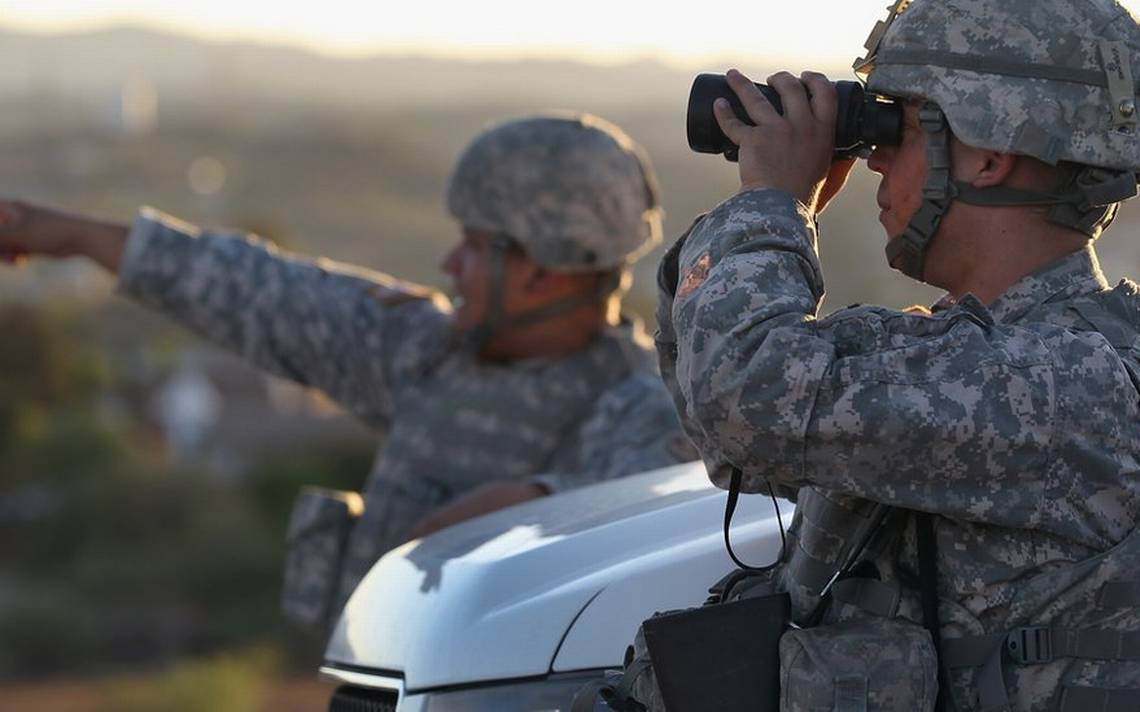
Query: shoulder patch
point(695, 277)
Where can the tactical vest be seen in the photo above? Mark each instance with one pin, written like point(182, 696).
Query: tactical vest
point(1073, 642)
point(857, 643)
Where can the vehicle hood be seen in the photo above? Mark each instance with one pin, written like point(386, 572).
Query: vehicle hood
point(559, 583)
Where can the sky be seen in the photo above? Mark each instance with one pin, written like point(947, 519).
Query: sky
point(829, 32)
point(817, 33)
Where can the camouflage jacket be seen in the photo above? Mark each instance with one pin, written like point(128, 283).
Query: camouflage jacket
point(1016, 424)
point(386, 352)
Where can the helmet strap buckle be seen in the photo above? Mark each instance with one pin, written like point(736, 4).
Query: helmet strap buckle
point(1117, 61)
point(864, 65)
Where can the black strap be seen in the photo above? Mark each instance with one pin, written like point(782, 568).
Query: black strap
point(730, 509)
point(928, 581)
point(1035, 645)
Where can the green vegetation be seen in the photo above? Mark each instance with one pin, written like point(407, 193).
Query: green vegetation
point(112, 557)
point(224, 683)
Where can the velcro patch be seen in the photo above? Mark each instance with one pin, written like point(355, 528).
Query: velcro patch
point(695, 277)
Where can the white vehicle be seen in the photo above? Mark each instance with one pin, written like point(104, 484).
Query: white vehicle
point(519, 609)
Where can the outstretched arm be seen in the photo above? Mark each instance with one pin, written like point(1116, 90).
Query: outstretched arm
point(27, 229)
point(345, 330)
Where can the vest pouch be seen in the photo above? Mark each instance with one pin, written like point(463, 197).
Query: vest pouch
point(866, 665)
point(315, 543)
point(719, 657)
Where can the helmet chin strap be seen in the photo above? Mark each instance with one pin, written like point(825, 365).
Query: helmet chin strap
point(907, 252)
point(493, 319)
point(496, 318)
point(1087, 202)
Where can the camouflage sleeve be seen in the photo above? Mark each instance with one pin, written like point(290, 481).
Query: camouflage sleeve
point(632, 429)
point(947, 413)
point(665, 340)
point(345, 330)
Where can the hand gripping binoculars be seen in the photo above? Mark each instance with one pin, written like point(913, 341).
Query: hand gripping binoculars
point(864, 120)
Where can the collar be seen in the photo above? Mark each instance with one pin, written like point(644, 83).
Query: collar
point(628, 336)
point(1075, 274)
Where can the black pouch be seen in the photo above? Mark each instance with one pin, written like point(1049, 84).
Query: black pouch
point(722, 657)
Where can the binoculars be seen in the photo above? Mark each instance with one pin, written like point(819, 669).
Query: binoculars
point(863, 122)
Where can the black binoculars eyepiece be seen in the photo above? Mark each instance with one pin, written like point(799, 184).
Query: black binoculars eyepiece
point(864, 120)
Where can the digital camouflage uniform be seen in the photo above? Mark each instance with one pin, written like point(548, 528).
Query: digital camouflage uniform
point(1016, 424)
point(388, 353)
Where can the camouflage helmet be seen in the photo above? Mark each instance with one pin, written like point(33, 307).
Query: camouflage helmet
point(1051, 79)
point(573, 190)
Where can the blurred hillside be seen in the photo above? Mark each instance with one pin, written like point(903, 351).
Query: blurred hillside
point(343, 158)
point(347, 158)
point(91, 64)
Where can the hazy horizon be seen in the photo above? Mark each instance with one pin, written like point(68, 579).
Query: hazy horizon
point(591, 31)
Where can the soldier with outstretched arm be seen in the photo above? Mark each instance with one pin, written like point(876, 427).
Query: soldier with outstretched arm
point(529, 383)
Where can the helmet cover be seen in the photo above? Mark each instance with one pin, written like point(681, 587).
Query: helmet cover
point(573, 190)
point(1051, 79)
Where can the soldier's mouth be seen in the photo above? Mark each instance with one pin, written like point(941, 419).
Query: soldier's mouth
point(884, 208)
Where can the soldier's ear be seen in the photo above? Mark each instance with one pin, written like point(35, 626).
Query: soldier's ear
point(534, 278)
point(983, 168)
point(545, 282)
point(997, 169)
point(548, 281)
